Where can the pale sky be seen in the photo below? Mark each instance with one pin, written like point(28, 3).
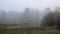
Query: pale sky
point(19, 5)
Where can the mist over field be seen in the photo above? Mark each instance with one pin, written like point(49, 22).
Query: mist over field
point(30, 12)
point(29, 16)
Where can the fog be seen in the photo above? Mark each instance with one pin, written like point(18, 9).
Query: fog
point(30, 16)
point(27, 13)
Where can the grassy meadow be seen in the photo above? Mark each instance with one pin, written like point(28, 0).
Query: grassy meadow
point(29, 31)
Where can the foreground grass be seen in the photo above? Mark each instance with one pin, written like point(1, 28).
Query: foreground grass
point(29, 31)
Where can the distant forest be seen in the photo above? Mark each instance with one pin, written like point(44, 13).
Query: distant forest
point(27, 17)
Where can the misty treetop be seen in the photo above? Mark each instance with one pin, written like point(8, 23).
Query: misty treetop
point(52, 18)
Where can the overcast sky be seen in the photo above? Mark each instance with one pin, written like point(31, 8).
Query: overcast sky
point(19, 5)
